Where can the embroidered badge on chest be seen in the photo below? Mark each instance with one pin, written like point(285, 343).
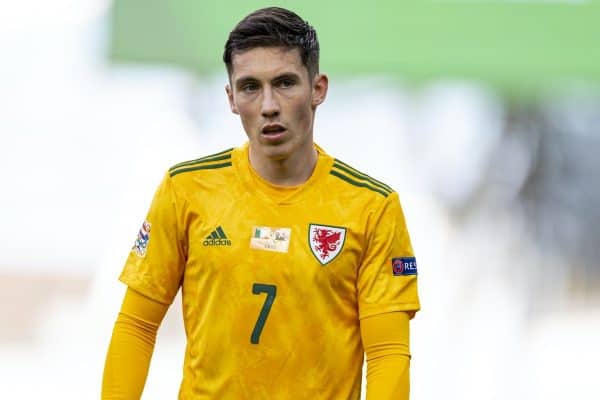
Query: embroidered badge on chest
point(326, 242)
point(270, 239)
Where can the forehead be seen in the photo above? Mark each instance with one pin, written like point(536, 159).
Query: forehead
point(266, 62)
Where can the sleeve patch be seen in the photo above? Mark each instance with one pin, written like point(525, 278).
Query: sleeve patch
point(141, 242)
point(404, 266)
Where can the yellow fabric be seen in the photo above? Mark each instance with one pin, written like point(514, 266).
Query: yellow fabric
point(131, 347)
point(386, 342)
point(201, 226)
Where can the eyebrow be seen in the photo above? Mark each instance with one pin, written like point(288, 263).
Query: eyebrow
point(243, 80)
point(287, 75)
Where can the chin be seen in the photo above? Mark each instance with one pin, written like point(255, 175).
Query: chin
point(276, 153)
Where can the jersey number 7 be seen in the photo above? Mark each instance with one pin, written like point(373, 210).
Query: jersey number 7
point(271, 291)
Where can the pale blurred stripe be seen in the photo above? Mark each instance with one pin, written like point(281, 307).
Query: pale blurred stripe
point(27, 298)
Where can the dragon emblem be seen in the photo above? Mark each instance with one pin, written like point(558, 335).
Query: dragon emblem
point(326, 242)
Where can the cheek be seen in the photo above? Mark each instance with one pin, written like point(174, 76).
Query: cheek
point(247, 115)
point(303, 113)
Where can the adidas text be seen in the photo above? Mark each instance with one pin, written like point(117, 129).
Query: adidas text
point(217, 242)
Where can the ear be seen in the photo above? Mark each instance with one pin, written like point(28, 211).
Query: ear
point(232, 105)
point(320, 86)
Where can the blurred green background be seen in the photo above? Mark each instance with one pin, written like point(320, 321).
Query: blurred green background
point(514, 46)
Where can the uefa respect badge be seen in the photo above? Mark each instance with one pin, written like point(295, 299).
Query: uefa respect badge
point(404, 266)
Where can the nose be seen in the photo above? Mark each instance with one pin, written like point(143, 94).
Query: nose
point(270, 104)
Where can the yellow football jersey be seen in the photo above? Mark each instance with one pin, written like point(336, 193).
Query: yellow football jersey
point(274, 279)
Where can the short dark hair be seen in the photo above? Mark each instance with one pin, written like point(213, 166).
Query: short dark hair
point(274, 27)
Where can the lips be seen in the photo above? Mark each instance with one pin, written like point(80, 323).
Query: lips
point(272, 129)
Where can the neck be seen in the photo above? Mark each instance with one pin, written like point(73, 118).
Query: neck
point(291, 171)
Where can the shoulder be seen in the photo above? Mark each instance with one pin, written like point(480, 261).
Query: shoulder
point(212, 162)
point(201, 175)
point(359, 183)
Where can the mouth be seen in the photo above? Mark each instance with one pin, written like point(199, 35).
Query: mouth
point(273, 129)
point(273, 132)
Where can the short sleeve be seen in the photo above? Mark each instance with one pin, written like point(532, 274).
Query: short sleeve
point(156, 262)
point(387, 278)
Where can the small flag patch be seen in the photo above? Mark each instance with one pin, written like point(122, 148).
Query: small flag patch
point(270, 239)
point(404, 266)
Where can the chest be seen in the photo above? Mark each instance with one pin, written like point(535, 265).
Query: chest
point(311, 243)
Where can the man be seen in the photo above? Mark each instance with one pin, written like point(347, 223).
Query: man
point(291, 263)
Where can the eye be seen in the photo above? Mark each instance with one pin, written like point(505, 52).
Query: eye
point(249, 87)
point(286, 83)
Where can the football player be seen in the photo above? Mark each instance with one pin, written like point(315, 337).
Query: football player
point(292, 264)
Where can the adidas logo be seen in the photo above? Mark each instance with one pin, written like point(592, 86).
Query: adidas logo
point(217, 238)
